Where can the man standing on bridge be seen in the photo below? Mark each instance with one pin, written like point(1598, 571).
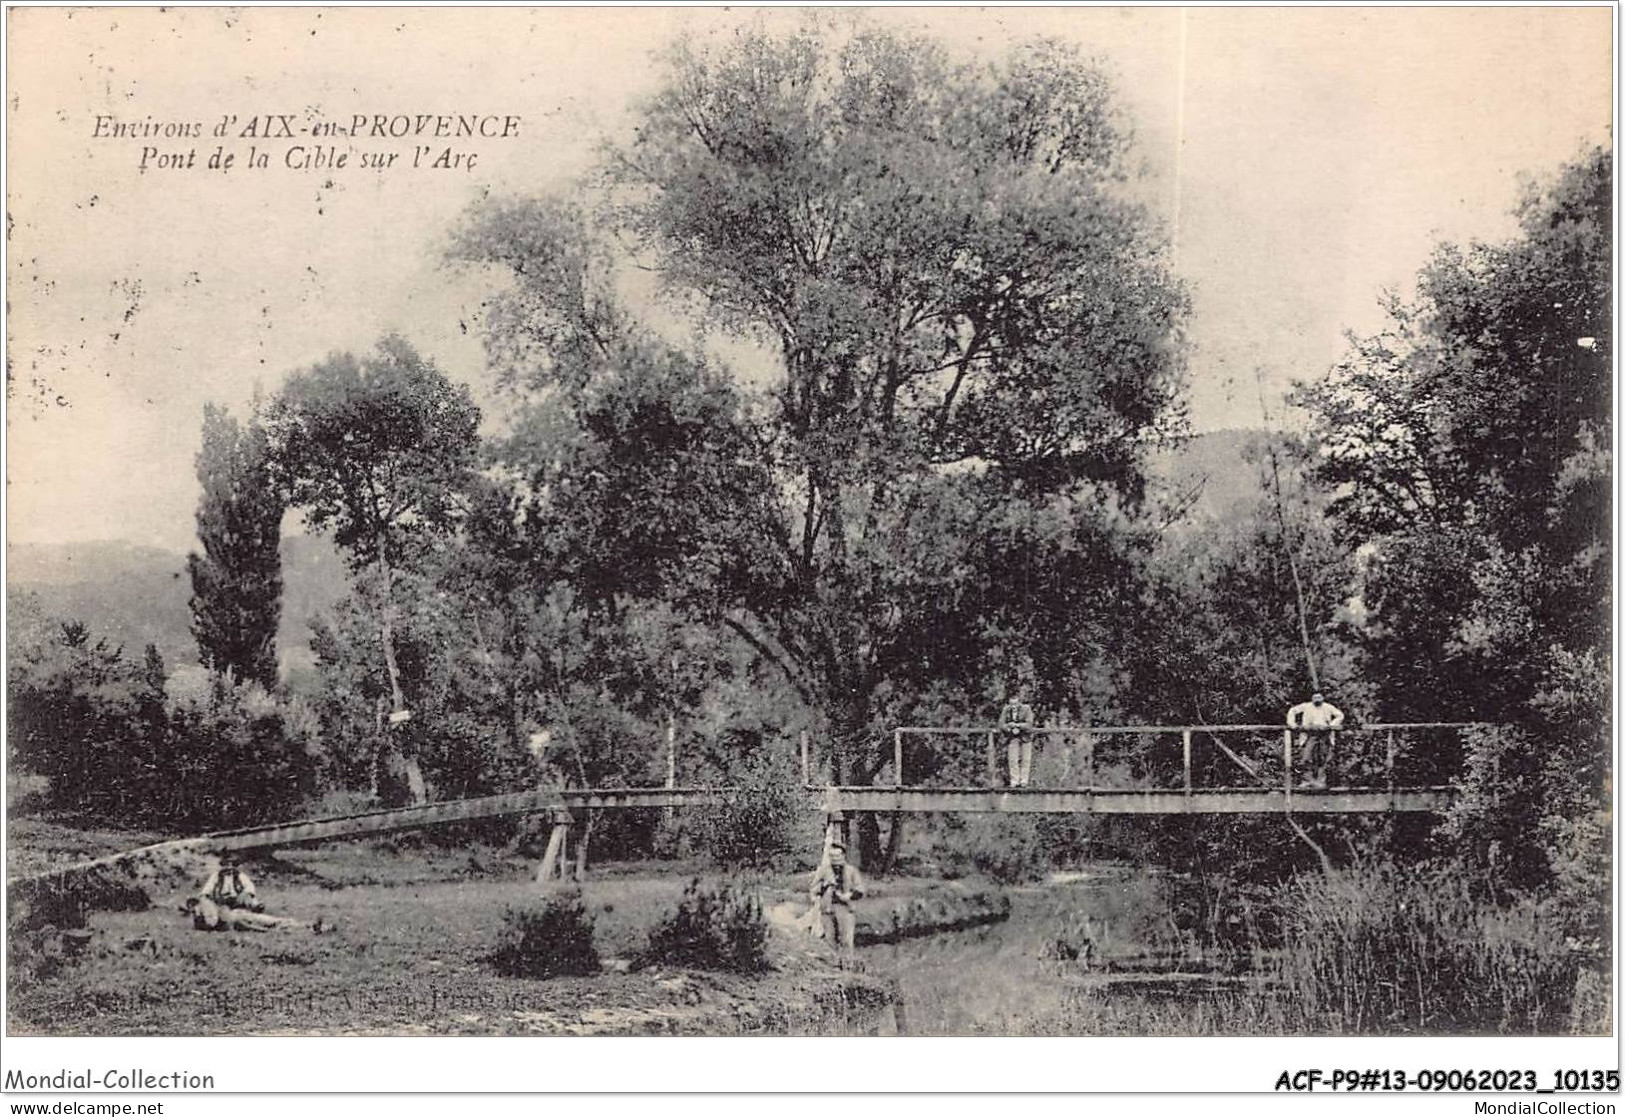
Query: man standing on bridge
point(1316, 722)
point(1016, 725)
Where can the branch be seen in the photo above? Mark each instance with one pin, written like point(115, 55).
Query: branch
point(767, 653)
point(1286, 544)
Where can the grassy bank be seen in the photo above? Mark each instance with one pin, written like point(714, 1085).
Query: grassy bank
point(1112, 950)
point(414, 927)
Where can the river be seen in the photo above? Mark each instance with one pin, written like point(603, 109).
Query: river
point(1091, 952)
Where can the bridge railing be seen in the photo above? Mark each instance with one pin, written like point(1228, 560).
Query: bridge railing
point(1188, 757)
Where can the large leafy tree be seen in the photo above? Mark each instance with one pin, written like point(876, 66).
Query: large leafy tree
point(1472, 445)
point(953, 306)
point(380, 451)
point(237, 580)
point(956, 308)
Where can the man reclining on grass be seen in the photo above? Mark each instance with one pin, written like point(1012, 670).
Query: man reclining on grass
point(228, 902)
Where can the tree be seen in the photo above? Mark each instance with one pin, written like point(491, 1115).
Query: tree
point(1485, 404)
point(1472, 444)
point(237, 580)
point(957, 309)
point(380, 451)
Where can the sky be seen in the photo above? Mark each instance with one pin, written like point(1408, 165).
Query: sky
point(1303, 161)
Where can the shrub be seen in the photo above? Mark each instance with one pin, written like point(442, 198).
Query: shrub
point(547, 939)
point(765, 823)
point(114, 743)
point(1008, 849)
point(755, 828)
point(231, 758)
point(715, 927)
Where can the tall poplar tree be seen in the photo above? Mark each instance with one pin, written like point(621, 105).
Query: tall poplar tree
point(237, 580)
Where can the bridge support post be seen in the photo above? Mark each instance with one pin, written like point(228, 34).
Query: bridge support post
point(1391, 804)
point(553, 860)
point(837, 828)
point(1186, 743)
point(1389, 764)
point(1286, 753)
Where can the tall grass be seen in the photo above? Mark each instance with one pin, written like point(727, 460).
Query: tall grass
point(1390, 950)
point(1364, 951)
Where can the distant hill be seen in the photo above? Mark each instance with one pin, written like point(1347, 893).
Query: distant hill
point(134, 595)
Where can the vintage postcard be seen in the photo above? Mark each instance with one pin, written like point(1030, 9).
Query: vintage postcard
point(1069, 522)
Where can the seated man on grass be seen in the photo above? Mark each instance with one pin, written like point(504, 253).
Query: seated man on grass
point(228, 902)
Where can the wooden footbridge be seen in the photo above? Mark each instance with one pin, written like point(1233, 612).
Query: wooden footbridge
point(1076, 775)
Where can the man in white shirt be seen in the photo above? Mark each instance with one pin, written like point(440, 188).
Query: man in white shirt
point(1317, 722)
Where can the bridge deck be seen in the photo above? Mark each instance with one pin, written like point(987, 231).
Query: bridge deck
point(858, 800)
point(1259, 798)
point(1234, 800)
point(827, 800)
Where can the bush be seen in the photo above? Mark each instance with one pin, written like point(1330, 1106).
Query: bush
point(715, 927)
point(1007, 849)
point(765, 823)
point(548, 939)
point(114, 743)
point(756, 828)
point(232, 757)
point(1391, 951)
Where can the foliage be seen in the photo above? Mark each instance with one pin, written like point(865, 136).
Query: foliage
point(1008, 850)
point(381, 451)
point(377, 449)
point(714, 927)
point(235, 757)
point(765, 824)
point(1472, 445)
point(1220, 640)
point(114, 744)
point(1430, 421)
point(465, 743)
point(1409, 951)
point(549, 939)
point(237, 580)
point(970, 335)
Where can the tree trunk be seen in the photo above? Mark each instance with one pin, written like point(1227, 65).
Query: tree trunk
point(894, 844)
point(870, 850)
point(398, 763)
point(671, 750)
point(854, 766)
point(671, 763)
point(1291, 558)
point(581, 846)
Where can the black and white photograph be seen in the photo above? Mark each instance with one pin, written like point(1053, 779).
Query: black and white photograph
point(813, 522)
